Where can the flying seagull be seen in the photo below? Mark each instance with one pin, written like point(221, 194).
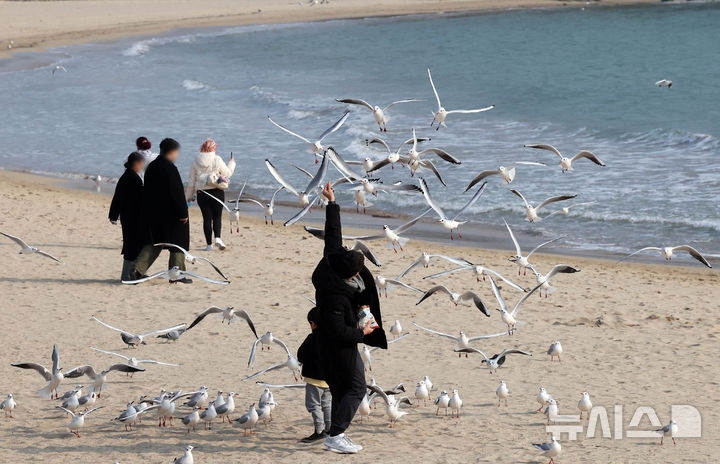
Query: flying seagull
point(380, 114)
point(174, 275)
point(565, 162)
point(441, 114)
point(316, 147)
point(26, 249)
point(228, 314)
point(133, 340)
point(193, 259)
point(54, 377)
point(668, 252)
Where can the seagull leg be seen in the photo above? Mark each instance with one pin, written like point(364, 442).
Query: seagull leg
point(673, 439)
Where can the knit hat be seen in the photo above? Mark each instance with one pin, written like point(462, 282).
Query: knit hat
point(345, 264)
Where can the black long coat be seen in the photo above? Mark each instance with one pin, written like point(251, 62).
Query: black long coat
point(338, 305)
point(127, 205)
point(165, 203)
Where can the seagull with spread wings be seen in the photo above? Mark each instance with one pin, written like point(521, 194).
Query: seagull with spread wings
point(133, 340)
point(228, 314)
point(100, 378)
point(531, 212)
point(462, 341)
point(26, 249)
point(441, 114)
point(447, 223)
point(457, 298)
point(54, 377)
point(380, 114)
point(290, 363)
point(668, 252)
point(316, 147)
point(192, 259)
point(523, 262)
point(175, 275)
point(565, 162)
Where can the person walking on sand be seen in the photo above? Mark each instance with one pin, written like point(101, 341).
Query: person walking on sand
point(166, 211)
point(344, 287)
point(318, 398)
point(126, 205)
point(143, 146)
point(210, 174)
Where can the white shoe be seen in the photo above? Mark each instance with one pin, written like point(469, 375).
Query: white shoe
point(340, 444)
point(209, 248)
point(220, 244)
point(357, 447)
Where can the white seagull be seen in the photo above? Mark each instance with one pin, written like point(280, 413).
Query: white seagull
point(508, 317)
point(425, 259)
point(396, 329)
point(462, 341)
point(566, 210)
point(383, 284)
point(392, 405)
point(502, 392)
point(366, 353)
point(442, 402)
point(78, 420)
point(544, 279)
point(498, 360)
point(555, 350)
point(543, 397)
point(455, 404)
point(392, 156)
point(266, 340)
point(131, 339)
point(303, 197)
point(290, 363)
point(228, 315)
point(457, 298)
point(549, 450)
point(8, 405)
point(100, 378)
point(523, 262)
point(380, 114)
point(132, 361)
point(268, 208)
point(585, 405)
point(191, 258)
point(441, 114)
point(248, 420)
point(531, 212)
point(54, 377)
point(565, 162)
point(671, 429)
point(174, 275)
point(58, 68)
point(26, 249)
point(447, 223)
point(186, 458)
point(668, 252)
point(480, 272)
point(507, 174)
point(316, 147)
point(664, 83)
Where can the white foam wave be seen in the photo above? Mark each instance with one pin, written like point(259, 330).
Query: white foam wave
point(192, 84)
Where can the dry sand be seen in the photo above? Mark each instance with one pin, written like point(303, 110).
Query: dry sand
point(36, 25)
point(634, 334)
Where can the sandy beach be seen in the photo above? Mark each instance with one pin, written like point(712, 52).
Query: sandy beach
point(37, 25)
point(633, 334)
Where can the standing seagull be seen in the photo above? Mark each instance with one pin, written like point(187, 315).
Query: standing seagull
point(133, 340)
point(502, 392)
point(555, 350)
point(228, 314)
point(26, 249)
point(565, 162)
point(8, 405)
point(531, 212)
point(316, 147)
point(585, 405)
point(186, 458)
point(380, 114)
point(441, 114)
point(78, 420)
point(549, 450)
point(670, 429)
point(54, 377)
point(450, 224)
point(191, 258)
point(668, 252)
point(523, 262)
point(392, 405)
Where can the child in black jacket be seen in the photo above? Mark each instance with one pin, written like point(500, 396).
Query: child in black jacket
point(317, 393)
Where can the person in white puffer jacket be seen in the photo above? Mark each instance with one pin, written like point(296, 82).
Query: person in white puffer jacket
point(210, 174)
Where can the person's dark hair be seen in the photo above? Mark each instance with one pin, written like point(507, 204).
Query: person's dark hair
point(346, 263)
point(313, 315)
point(168, 145)
point(133, 158)
point(142, 143)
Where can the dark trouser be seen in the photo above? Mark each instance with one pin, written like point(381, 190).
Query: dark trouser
point(150, 253)
point(346, 402)
point(211, 212)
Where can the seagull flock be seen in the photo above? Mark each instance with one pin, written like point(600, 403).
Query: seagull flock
point(79, 401)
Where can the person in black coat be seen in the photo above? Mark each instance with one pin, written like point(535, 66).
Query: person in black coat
point(342, 285)
point(166, 210)
point(126, 205)
point(318, 399)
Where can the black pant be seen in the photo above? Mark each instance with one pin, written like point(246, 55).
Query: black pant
point(211, 212)
point(345, 403)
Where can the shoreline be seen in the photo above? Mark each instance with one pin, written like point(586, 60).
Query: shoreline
point(481, 236)
point(55, 24)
